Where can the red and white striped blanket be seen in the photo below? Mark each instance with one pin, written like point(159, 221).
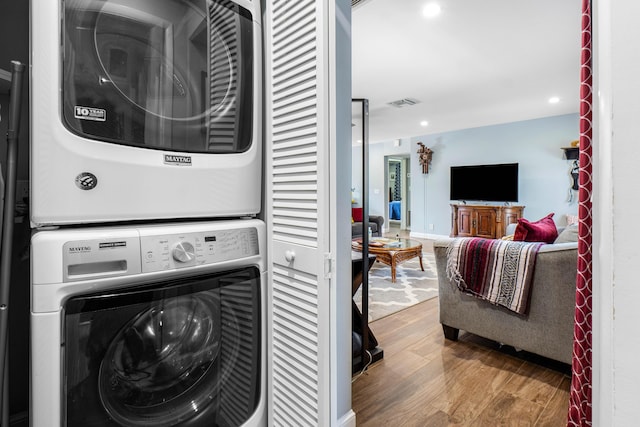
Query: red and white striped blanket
point(499, 271)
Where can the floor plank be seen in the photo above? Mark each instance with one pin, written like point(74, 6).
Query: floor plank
point(425, 380)
point(555, 414)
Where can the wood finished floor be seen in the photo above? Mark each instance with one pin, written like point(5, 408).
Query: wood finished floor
point(425, 380)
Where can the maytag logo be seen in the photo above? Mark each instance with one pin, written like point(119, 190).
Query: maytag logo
point(172, 159)
point(79, 249)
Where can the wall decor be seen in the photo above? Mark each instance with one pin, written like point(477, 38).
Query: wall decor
point(425, 154)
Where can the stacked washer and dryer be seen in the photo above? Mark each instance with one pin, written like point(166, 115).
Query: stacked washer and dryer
point(147, 258)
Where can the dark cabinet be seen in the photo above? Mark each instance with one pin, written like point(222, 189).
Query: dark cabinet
point(487, 221)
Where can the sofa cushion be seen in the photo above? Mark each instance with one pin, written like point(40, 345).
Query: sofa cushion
point(569, 234)
point(543, 230)
point(356, 214)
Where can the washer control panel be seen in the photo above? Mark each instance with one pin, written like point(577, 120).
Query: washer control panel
point(200, 248)
point(145, 250)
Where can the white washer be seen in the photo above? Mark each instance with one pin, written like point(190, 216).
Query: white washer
point(158, 325)
point(145, 110)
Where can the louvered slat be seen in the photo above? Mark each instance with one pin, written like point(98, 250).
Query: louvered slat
point(295, 346)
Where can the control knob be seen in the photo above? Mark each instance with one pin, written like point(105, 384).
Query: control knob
point(183, 252)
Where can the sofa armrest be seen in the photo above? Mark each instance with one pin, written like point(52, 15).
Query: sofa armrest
point(378, 220)
point(375, 222)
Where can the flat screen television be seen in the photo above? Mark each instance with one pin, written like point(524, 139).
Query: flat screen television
point(487, 183)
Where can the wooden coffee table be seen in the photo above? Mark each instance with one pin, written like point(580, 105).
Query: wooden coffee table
point(392, 251)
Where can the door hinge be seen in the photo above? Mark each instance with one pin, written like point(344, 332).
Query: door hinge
point(328, 265)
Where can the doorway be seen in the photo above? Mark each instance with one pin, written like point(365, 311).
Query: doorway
point(398, 194)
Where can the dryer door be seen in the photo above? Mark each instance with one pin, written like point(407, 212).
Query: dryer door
point(169, 74)
point(179, 353)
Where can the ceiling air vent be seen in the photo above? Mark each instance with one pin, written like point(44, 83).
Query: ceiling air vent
point(406, 102)
point(356, 3)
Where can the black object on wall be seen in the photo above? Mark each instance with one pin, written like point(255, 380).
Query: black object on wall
point(6, 252)
point(369, 350)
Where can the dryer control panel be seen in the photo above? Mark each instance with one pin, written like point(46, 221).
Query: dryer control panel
point(200, 248)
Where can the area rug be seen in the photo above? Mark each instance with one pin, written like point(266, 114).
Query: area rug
point(411, 287)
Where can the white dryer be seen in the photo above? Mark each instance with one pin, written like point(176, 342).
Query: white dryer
point(145, 110)
point(157, 325)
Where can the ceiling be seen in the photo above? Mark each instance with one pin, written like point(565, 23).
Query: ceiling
point(477, 63)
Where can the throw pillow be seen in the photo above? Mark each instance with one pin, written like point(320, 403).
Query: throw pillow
point(569, 234)
point(543, 230)
point(356, 214)
point(572, 219)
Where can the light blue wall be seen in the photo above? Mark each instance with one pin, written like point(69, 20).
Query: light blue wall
point(544, 179)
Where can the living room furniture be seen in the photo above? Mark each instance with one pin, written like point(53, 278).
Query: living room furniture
point(375, 222)
point(359, 321)
point(392, 252)
point(487, 221)
point(546, 329)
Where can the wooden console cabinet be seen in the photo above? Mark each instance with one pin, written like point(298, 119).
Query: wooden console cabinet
point(488, 221)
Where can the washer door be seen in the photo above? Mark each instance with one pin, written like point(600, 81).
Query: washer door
point(179, 353)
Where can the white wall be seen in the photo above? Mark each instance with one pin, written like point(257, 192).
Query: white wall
point(616, 235)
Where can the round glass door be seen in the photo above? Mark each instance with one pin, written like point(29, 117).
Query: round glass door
point(168, 74)
point(161, 364)
point(181, 353)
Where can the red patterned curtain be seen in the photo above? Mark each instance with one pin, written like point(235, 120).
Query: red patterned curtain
point(580, 397)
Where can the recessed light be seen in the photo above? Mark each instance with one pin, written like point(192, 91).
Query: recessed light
point(554, 100)
point(431, 9)
point(424, 123)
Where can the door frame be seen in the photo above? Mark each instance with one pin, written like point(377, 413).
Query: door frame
point(405, 192)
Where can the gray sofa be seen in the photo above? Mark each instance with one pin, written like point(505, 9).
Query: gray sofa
point(546, 330)
point(375, 222)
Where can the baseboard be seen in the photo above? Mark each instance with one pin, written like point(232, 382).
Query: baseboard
point(428, 236)
point(348, 419)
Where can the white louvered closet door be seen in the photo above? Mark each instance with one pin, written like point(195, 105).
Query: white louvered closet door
point(297, 214)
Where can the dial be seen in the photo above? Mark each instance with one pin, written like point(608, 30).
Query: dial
point(183, 252)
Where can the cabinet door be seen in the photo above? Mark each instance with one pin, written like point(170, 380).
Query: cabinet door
point(512, 215)
point(465, 222)
point(485, 223)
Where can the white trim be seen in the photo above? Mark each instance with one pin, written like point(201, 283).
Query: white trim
point(615, 256)
point(339, 170)
point(602, 317)
point(347, 420)
point(427, 235)
point(325, 132)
